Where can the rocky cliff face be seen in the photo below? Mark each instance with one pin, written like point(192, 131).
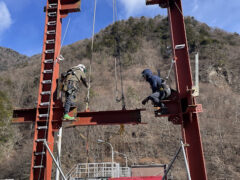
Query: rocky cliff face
point(142, 43)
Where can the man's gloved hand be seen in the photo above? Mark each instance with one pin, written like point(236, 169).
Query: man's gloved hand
point(145, 101)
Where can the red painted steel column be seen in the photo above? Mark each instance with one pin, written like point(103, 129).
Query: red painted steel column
point(54, 87)
point(38, 173)
point(41, 167)
point(190, 126)
point(49, 110)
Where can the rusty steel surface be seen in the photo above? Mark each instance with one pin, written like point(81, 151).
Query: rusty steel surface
point(108, 117)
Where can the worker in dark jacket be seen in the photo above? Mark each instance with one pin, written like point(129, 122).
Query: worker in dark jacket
point(71, 83)
point(160, 90)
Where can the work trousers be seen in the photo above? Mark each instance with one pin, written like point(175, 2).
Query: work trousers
point(156, 97)
point(70, 95)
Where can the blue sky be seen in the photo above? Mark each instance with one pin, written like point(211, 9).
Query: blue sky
point(22, 21)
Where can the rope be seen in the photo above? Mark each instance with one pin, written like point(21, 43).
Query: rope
point(115, 59)
point(120, 64)
point(113, 11)
point(123, 98)
point(116, 80)
point(91, 59)
point(65, 33)
point(173, 61)
point(178, 8)
point(60, 57)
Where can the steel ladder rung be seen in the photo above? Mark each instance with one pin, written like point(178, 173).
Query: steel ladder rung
point(51, 41)
point(51, 32)
point(47, 71)
point(45, 104)
point(38, 167)
point(52, 14)
point(180, 46)
point(43, 115)
point(47, 81)
point(46, 93)
point(52, 23)
point(42, 127)
point(39, 153)
point(40, 140)
point(53, 5)
point(49, 51)
point(48, 61)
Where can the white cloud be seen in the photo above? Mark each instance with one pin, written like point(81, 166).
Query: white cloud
point(5, 17)
point(138, 7)
point(133, 6)
point(195, 6)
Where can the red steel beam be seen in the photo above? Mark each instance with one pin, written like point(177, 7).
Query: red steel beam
point(162, 3)
point(108, 118)
point(29, 115)
point(70, 7)
point(84, 118)
point(190, 126)
point(187, 103)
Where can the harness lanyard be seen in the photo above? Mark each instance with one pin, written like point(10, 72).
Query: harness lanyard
point(173, 61)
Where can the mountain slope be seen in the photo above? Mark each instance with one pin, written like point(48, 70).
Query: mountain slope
point(140, 43)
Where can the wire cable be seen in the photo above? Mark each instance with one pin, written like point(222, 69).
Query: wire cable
point(173, 61)
point(91, 59)
point(119, 59)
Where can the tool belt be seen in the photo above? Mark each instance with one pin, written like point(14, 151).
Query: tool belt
point(166, 89)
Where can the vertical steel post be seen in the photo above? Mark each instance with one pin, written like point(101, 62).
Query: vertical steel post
point(190, 126)
point(59, 145)
point(196, 88)
point(185, 160)
point(197, 70)
point(55, 161)
point(171, 163)
point(189, 120)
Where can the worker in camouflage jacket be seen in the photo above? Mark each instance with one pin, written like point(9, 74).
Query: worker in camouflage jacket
point(71, 81)
point(160, 90)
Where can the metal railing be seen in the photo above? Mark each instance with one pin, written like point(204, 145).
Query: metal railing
point(98, 170)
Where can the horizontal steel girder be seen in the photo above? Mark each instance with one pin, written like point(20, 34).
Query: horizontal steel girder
point(84, 118)
point(162, 3)
point(108, 117)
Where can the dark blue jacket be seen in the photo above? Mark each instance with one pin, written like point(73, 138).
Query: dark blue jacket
point(154, 81)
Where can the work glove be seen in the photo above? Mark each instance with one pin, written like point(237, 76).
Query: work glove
point(145, 101)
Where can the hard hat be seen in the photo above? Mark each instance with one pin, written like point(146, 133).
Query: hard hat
point(146, 73)
point(81, 67)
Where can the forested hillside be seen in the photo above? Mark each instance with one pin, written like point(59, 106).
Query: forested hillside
point(137, 44)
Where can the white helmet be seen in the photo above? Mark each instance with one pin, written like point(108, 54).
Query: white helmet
point(81, 67)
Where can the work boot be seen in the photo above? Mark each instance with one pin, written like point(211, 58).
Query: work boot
point(164, 110)
point(161, 110)
point(67, 117)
